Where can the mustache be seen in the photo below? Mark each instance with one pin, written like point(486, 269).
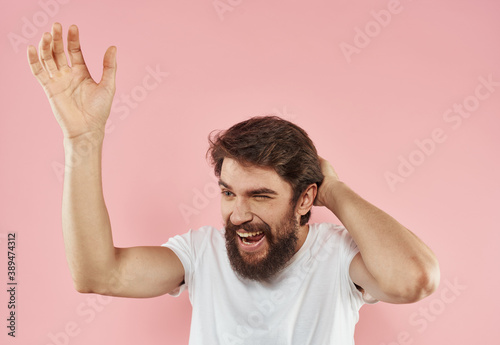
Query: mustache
point(250, 227)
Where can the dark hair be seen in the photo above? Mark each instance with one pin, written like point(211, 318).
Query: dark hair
point(270, 141)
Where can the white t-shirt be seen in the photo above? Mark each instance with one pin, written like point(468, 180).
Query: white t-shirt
point(311, 301)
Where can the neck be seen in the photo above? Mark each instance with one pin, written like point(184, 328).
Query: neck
point(302, 235)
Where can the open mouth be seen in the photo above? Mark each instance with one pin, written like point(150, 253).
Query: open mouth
point(250, 239)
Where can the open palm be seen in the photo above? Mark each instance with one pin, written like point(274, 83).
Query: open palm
point(80, 105)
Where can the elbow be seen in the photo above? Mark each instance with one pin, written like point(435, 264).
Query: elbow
point(82, 287)
point(91, 281)
point(85, 286)
point(424, 282)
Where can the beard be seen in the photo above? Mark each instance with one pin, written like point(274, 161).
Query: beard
point(281, 247)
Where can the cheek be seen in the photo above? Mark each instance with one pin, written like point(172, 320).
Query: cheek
point(224, 210)
point(272, 215)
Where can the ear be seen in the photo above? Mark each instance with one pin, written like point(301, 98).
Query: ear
point(306, 200)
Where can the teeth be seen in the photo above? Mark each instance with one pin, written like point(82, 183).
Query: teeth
point(249, 234)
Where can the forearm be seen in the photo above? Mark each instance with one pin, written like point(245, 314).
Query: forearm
point(86, 226)
point(397, 259)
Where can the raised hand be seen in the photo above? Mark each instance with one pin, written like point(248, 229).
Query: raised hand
point(80, 105)
point(330, 177)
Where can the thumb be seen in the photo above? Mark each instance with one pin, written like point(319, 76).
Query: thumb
point(109, 68)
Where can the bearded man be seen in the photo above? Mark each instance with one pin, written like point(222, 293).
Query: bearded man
point(267, 277)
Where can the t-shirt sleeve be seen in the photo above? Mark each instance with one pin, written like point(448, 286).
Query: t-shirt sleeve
point(182, 246)
point(350, 249)
point(189, 248)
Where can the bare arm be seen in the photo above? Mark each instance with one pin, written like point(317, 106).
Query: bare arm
point(82, 107)
point(95, 264)
point(393, 264)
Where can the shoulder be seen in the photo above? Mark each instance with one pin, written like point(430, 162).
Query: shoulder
point(333, 236)
point(201, 233)
point(205, 232)
point(193, 245)
point(329, 231)
point(327, 227)
point(196, 238)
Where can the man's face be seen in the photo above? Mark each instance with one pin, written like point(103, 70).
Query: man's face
point(262, 229)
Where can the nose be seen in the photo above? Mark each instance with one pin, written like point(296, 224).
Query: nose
point(241, 212)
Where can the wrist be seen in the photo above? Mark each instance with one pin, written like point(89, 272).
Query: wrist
point(89, 139)
point(83, 147)
point(330, 192)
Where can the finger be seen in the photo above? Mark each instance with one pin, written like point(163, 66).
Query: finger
point(75, 52)
point(40, 50)
point(58, 46)
point(36, 67)
point(46, 53)
point(109, 68)
point(42, 62)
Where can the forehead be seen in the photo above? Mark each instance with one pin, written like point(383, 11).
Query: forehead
point(251, 177)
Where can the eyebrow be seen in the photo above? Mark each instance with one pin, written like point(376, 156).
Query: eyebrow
point(257, 191)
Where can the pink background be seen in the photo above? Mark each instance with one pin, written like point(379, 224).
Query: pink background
point(365, 108)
